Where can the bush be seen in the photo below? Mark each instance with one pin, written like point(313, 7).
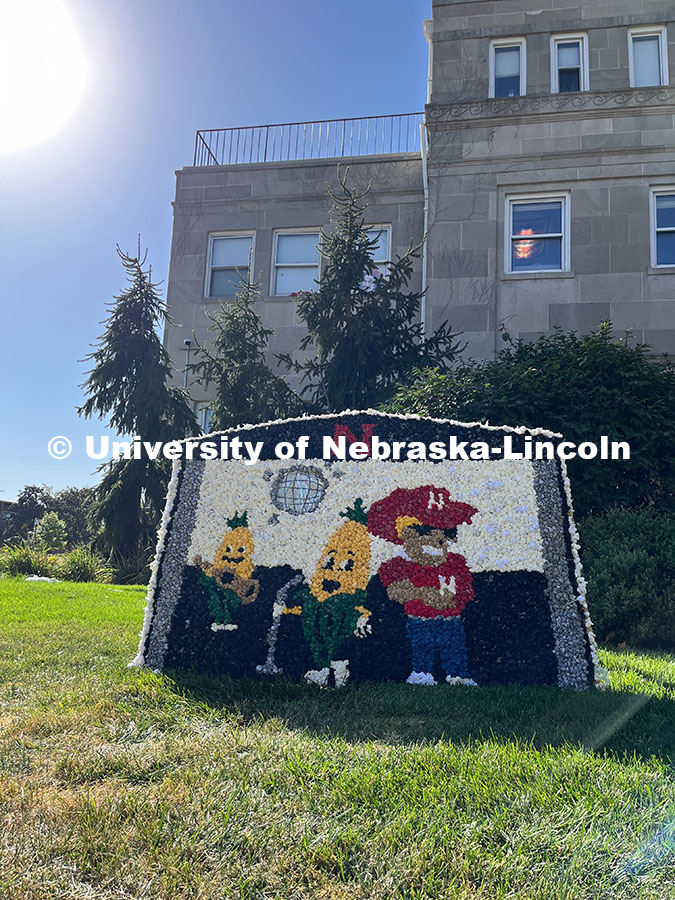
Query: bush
point(50, 534)
point(629, 563)
point(81, 564)
point(133, 568)
point(583, 387)
point(22, 559)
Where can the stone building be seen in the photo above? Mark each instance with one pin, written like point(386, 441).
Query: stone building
point(543, 174)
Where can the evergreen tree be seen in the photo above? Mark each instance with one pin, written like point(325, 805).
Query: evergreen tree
point(129, 384)
point(362, 324)
point(247, 390)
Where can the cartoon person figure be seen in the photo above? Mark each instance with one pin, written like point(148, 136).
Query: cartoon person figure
point(432, 583)
point(332, 606)
point(228, 578)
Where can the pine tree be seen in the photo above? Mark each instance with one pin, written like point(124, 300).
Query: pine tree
point(129, 383)
point(362, 324)
point(247, 390)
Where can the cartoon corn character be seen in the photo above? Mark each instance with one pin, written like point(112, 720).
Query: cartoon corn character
point(332, 607)
point(227, 579)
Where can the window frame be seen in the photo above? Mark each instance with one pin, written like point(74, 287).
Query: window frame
point(200, 414)
point(659, 31)
point(584, 80)
point(385, 229)
point(499, 43)
point(213, 235)
point(653, 230)
point(275, 265)
point(565, 251)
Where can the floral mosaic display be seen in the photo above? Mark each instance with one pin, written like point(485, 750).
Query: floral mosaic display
point(334, 571)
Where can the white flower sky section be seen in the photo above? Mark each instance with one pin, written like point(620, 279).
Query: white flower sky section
point(503, 536)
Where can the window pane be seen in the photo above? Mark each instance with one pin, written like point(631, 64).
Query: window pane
point(231, 251)
point(569, 55)
point(225, 282)
point(507, 87)
point(665, 211)
point(646, 60)
point(537, 218)
point(381, 252)
point(665, 248)
point(206, 418)
point(507, 71)
point(536, 253)
point(507, 61)
point(297, 248)
point(293, 279)
point(569, 81)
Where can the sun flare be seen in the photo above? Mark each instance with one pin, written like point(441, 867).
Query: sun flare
point(42, 71)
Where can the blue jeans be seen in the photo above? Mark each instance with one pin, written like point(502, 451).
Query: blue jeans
point(442, 635)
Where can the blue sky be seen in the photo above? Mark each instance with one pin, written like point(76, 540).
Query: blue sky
point(158, 71)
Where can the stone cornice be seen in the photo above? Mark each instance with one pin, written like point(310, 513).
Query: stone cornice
point(585, 103)
point(549, 25)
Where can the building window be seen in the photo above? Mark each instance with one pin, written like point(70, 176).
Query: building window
point(537, 233)
point(508, 76)
point(296, 262)
point(204, 417)
point(569, 63)
point(663, 227)
point(648, 56)
point(381, 252)
point(229, 256)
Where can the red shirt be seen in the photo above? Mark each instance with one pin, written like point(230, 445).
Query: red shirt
point(400, 569)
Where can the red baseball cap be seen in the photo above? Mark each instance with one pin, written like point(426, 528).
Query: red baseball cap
point(428, 504)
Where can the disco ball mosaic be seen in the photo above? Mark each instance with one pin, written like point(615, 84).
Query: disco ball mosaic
point(298, 490)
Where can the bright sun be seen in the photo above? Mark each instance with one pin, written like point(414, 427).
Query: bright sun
point(42, 70)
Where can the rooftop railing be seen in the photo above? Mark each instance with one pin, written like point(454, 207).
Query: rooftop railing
point(365, 136)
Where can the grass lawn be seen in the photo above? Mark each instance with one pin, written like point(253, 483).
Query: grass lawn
point(117, 783)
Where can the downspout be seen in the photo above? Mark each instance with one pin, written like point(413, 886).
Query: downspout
point(428, 32)
point(425, 183)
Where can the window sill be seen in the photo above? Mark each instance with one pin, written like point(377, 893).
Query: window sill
point(532, 276)
point(276, 298)
point(660, 270)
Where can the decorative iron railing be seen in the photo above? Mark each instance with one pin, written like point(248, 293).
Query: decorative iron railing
point(366, 136)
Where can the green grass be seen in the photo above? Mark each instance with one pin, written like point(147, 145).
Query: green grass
point(118, 783)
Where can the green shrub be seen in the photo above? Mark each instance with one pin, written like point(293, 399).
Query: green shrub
point(22, 559)
point(582, 387)
point(50, 533)
point(629, 563)
point(82, 564)
point(132, 568)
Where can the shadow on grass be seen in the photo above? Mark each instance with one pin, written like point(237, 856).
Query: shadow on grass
point(615, 722)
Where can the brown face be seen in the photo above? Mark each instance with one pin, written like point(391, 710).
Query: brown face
point(426, 546)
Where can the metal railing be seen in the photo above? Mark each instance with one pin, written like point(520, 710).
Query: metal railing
point(365, 136)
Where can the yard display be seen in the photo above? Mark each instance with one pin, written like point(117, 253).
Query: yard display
point(370, 547)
